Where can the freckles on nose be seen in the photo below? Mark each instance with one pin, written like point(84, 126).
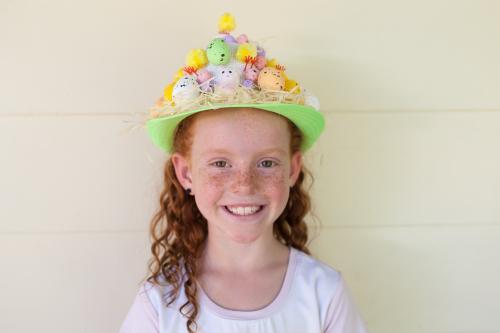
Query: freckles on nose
point(245, 179)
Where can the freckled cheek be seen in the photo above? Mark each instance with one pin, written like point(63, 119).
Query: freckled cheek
point(273, 179)
point(212, 182)
point(274, 185)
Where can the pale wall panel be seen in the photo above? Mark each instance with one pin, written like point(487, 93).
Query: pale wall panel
point(116, 56)
point(406, 168)
point(69, 282)
point(76, 173)
point(419, 279)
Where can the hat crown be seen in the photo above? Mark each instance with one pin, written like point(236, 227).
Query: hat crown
point(232, 72)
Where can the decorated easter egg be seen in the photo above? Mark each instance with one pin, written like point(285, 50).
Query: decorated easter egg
point(261, 51)
point(218, 52)
point(251, 74)
point(248, 84)
point(260, 62)
point(231, 42)
point(271, 79)
point(230, 39)
point(186, 89)
point(203, 77)
point(242, 39)
point(227, 80)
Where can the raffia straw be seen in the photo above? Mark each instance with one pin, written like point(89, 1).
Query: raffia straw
point(241, 95)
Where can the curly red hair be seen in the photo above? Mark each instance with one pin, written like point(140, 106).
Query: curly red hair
point(178, 230)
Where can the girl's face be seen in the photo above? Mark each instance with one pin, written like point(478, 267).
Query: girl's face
point(240, 161)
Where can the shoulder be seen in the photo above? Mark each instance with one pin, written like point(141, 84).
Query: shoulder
point(316, 279)
point(317, 274)
point(162, 295)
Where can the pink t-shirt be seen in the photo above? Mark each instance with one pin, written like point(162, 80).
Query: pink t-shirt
point(313, 298)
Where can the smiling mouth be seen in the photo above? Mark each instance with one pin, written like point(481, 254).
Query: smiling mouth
point(243, 212)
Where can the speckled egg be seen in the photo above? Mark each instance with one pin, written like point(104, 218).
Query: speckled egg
point(227, 80)
point(218, 52)
point(260, 62)
point(203, 77)
point(186, 89)
point(251, 74)
point(261, 51)
point(271, 79)
point(242, 39)
point(230, 39)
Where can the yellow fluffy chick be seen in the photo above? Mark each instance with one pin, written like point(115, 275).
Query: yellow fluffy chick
point(246, 50)
point(196, 58)
point(284, 75)
point(226, 23)
point(167, 92)
point(291, 84)
point(178, 75)
point(271, 62)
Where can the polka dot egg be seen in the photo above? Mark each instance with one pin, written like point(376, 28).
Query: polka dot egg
point(218, 52)
point(271, 79)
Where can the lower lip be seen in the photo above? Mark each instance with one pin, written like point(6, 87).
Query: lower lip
point(245, 218)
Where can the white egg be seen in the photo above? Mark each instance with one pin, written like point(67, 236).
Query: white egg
point(233, 64)
point(185, 90)
point(227, 78)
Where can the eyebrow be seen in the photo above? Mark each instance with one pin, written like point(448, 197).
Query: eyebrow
point(227, 152)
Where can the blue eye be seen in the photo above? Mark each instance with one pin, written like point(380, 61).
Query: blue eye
point(268, 163)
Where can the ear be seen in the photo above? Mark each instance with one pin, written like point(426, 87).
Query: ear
point(182, 167)
point(295, 167)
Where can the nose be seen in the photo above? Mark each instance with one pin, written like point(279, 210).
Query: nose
point(245, 181)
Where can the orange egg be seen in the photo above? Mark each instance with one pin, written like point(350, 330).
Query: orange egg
point(271, 79)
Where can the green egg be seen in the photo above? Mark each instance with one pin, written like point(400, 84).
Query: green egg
point(218, 52)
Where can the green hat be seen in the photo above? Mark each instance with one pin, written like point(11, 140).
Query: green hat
point(232, 73)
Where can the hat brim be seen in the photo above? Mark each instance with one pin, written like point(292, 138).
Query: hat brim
point(310, 121)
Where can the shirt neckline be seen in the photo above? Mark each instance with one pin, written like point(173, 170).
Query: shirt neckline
point(276, 303)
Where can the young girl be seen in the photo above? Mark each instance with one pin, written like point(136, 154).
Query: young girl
point(229, 240)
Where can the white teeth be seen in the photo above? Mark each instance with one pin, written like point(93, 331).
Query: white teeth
point(243, 210)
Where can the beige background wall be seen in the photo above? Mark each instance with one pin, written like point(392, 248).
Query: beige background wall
point(407, 172)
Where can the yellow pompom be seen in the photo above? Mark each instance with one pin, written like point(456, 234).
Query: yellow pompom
point(196, 58)
point(167, 92)
point(180, 73)
point(226, 23)
point(246, 50)
point(284, 75)
point(291, 84)
point(271, 62)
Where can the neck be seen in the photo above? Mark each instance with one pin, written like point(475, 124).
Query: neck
point(222, 255)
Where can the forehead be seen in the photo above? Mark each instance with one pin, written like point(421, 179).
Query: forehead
point(242, 131)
